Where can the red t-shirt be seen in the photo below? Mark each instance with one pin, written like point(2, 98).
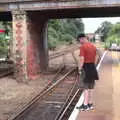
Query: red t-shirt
point(88, 51)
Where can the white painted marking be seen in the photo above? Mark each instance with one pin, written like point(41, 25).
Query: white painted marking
point(98, 66)
point(75, 112)
point(2, 59)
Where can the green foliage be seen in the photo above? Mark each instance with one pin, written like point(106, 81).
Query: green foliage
point(111, 39)
point(3, 45)
point(63, 31)
point(115, 30)
point(104, 30)
point(110, 33)
point(67, 37)
point(5, 38)
point(106, 45)
point(60, 31)
point(113, 36)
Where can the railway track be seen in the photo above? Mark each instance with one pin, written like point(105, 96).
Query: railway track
point(63, 52)
point(6, 68)
point(50, 104)
point(57, 100)
point(70, 103)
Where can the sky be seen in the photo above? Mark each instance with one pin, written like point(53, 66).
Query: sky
point(91, 24)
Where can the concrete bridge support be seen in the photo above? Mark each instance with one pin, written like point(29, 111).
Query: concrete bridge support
point(30, 44)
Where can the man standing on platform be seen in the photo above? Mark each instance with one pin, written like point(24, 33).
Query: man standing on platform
point(88, 54)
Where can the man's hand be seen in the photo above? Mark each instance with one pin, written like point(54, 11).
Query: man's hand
point(79, 70)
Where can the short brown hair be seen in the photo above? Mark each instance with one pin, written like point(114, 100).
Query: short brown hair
point(80, 35)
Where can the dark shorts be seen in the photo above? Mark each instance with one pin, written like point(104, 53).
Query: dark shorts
point(90, 74)
point(89, 85)
point(85, 85)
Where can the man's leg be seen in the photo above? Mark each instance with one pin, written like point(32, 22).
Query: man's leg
point(85, 106)
point(90, 101)
point(86, 97)
point(90, 96)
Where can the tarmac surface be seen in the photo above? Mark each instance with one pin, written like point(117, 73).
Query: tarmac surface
point(107, 91)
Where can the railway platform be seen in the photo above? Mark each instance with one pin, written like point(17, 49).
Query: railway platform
point(107, 91)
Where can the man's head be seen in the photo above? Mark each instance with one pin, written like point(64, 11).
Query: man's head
point(82, 38)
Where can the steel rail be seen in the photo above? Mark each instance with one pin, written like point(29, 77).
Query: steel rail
point(53, 80)
point(61, 117)
point(53, 56)
point(68, 98)
point(39, 96)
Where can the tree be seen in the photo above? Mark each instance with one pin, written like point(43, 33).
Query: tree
point(104, 30)
point(115, 29)
point(114, 34)
point(63, 31)
point(5, 38)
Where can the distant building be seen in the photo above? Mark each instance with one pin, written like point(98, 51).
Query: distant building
point(97, 36)
point(90, 35)
point(94, 36)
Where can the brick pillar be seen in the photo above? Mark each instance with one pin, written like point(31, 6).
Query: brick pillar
point(37, 50)
point(20, 44)
point(43, 46)
point(29, 44)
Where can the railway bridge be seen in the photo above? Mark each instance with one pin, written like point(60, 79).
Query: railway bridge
point(29, 19)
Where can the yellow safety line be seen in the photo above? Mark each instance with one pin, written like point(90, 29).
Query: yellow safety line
point(116, 87)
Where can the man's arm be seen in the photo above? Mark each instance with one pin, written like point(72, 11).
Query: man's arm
point(98, 56)
point(79, 62)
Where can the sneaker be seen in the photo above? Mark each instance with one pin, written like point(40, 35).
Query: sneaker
point(83, 107)
point(90, 105)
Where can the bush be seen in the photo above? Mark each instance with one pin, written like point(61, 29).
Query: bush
point(5, 38)
point(67, 37)
point(3, 45)
point(106, 45)
point(62, 31)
